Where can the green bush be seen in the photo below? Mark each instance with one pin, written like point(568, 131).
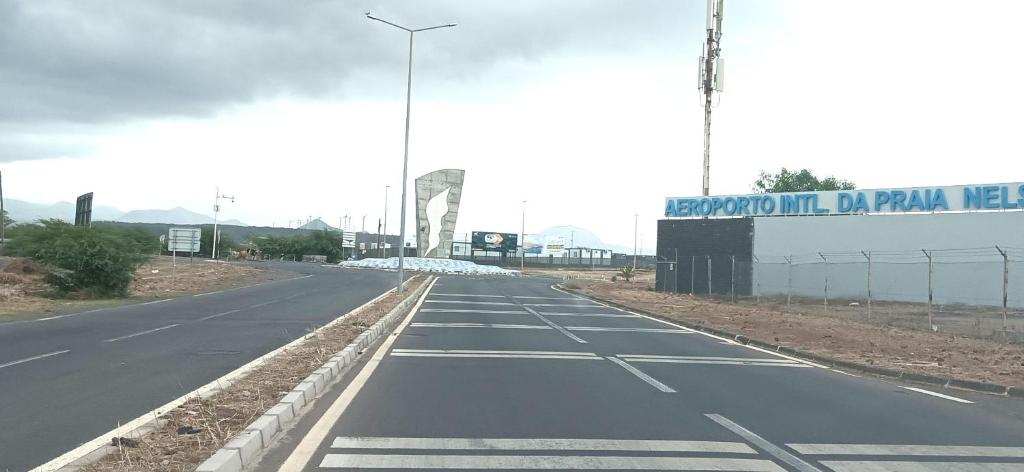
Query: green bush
point(100, 260)
point(315, 243)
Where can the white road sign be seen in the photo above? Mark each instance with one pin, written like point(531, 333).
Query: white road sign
point(183, 239)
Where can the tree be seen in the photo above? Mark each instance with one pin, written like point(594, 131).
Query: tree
point(6, 220)
point(801, 181)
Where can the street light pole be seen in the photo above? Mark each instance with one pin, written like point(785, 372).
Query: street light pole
point(216, 209)
point(385, 249)
point(522, 258)
point(405, 160)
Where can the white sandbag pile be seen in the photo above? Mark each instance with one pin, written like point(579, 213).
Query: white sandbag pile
point(443, 266)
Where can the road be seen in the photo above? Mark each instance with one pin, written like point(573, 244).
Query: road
point(509, 374)
point(66, 380)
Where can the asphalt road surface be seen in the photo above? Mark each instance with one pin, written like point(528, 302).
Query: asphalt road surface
point(498, 374)
point(66, 380)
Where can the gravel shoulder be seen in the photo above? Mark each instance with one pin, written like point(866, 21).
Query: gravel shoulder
point(892, 347)
point(24, 295)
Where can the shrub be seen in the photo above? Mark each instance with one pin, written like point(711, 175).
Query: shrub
point(626, 273)
point(10, 279)
point(99, 260)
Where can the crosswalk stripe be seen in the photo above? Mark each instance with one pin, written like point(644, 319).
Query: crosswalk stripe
point(901, 466)
point(712, 360)
point(628, 330)
point(476, 351)
point(596, 315)
point(456, 310)
point(465, 295)
point(641, 375)
point(551, 298)
point(564, 304)
point(402, 461)
point(494, 356)
point(478, 325)
point(542, 444)
point(906, 450)
point(464, 302)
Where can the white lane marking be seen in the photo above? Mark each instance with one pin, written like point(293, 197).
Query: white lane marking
point(297, 295)
point(906, 450)
point(207, 293)
point(140, 333)
point(217, 315)
point(300, 456)
point(562, 304)
point(628, 330)
point(550, 298)
point(936, 394)
point(477, 325)
point(474, 351)
point(716, 361)
point(641, 375)
point(263, 304)
point(451, 310)
point(33, 358)
point(465, 295)
point(594, 315)
point(542, 444)
point(557, 327)
point(464, 302)
point(496, 356)
point(845, 373)
point(776, 354)
point(749, 359)
point(404, 461)
point(156, 301)
point(773, 450)
point(901, 466)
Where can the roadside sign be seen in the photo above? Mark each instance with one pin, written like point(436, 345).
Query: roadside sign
point(183, 239)
point(348, 239)
point(83, 210)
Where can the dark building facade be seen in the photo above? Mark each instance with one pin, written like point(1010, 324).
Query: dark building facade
point(705, 256)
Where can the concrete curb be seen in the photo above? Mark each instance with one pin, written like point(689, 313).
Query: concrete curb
point(242, 451)
point(945, 382)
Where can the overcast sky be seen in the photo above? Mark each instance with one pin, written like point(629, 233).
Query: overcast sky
point(586, 109)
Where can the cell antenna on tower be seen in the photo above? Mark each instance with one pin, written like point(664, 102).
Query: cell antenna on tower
point(711, 76)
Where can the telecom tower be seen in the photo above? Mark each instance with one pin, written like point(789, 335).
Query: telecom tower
point(711, 76)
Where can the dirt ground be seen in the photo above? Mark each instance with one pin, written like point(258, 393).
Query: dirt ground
point(598, 274)
point(24, 295)
point(194, 431)
point(894, 347)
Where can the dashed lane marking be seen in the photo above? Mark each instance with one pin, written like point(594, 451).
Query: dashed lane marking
point(34, 358)
point(218, 315)
point(140, 333)
point(936, 394)
point(628, 330)
point(555, 326)
point(773, 450)
point(712, 360)
point(906, 450)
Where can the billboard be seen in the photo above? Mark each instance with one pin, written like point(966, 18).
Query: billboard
point(553, 246)
point(957, 198)
point(491, 241)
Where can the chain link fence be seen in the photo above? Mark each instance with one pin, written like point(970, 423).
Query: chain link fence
point(976, 292)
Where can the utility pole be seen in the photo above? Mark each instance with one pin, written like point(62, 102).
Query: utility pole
point(712, 77)
point(522, 244)
point(3, 221)
point(636, 222)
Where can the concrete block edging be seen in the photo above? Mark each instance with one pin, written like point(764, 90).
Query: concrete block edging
point(240, 451)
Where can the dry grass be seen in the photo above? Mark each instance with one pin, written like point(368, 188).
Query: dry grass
point(889, 346)
point(223, 415)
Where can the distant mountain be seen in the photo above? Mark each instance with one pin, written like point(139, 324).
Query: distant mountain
point(177, 215)
point(318, 225)
point(25, 212)
point(575, 236)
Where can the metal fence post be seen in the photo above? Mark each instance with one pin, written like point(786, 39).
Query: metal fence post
point(868, 255)
point(693, 272)
point(757, 286)
point(1006, 282)
point(732, 281)
point(675, 285)
point(930, 265)
point(709, 275)
point(789, 282)
point(826, 280)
